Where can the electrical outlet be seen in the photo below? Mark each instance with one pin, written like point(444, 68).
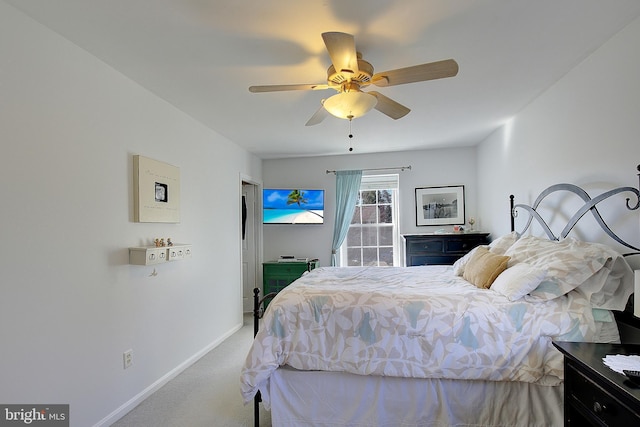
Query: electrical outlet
point(127, 358)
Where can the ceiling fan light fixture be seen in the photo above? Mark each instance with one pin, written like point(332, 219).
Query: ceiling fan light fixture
point(350, 104)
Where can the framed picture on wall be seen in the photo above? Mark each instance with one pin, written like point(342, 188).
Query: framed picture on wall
point(156, 191)
point(440, 205)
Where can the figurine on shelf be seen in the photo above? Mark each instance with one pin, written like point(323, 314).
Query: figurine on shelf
point(162, 243)
point(157, 242)
point(169, 242)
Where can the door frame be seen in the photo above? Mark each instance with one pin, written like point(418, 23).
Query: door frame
point(256, 214)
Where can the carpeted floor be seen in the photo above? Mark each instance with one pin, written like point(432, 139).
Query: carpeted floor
point(206, 394)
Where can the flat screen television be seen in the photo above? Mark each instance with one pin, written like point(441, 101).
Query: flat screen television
point(292, 206)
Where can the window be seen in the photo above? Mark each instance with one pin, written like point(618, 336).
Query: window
point(373, 237)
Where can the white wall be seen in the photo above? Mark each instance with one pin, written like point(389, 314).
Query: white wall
point(70, 303)
point(428, 168)
point(584, 130)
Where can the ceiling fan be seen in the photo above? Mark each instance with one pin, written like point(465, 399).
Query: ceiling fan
point(349, 73)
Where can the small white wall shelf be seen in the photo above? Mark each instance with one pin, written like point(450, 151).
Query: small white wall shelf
point(152, 255)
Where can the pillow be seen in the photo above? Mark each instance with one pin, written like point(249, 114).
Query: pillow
point(602, 315)
point(483, 267)
point(569, 262)
point(458, 266)
point(502, 243)
point(517, 281)
point(611, 287)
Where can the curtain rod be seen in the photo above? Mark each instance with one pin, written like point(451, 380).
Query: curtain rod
point(401, 168)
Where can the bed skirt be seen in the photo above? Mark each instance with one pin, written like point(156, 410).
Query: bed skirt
point(315, 398)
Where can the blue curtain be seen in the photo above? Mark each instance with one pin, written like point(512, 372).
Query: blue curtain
point(347, 187)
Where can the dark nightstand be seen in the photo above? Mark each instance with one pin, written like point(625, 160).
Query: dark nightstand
point(594, 394)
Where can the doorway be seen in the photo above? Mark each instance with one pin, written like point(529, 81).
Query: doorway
point(250, 243)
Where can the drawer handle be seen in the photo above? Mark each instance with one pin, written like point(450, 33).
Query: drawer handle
point(599, 408)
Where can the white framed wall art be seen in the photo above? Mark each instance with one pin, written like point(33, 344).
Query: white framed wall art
point(156, 191)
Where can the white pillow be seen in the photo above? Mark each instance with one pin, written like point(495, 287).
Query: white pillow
point(502, 243)
point(518, 280)
point(568, 262)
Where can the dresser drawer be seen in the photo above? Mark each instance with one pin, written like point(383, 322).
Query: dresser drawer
point(427, 246)
point(276, 285)
point(462, 246)
point(431, 260)
point(596, 403)
point(285, 269)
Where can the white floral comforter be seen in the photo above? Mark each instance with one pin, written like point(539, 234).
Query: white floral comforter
point(412, 322)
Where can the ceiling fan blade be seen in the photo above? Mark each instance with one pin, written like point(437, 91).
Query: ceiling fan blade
point(389, 107)
point(342, 50)
point(278, 88)
point(318, 116)
point(416, 73)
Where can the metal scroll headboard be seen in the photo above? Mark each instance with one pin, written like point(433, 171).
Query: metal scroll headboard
point(590, 204)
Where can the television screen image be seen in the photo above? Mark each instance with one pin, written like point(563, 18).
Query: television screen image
point(292, 206)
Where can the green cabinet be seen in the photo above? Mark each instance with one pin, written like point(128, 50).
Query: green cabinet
point(278, 275)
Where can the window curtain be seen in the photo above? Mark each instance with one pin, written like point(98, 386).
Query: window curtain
point(347, 187)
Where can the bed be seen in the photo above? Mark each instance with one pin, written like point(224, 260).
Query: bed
point(466, 345)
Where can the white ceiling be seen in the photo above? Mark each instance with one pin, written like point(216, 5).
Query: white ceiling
point(202, 55)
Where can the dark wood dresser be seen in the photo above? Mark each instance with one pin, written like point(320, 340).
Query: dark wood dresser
point(594, 394)
point(440, 248)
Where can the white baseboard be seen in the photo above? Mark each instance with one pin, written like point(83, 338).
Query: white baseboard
point(140, 397)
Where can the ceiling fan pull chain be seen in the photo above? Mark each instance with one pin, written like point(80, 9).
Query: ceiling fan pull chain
point(350, 117)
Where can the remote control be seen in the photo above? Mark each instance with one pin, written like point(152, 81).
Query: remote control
point(632, 375)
